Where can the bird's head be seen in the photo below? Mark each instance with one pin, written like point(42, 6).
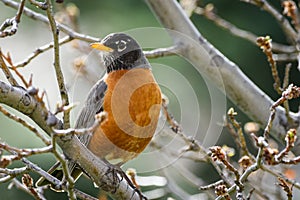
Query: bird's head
point(120, 52)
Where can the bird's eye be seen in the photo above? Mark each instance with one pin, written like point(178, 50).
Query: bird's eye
point(121, 46)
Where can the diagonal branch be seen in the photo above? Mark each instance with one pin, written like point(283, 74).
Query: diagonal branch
point(224, 73)
point(6, 71)
point(19, 99)
point(234, 30)
point(40, 50)
point(34, 15)
point(283, 22)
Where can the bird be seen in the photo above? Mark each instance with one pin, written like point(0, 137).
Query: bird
point(131, 99)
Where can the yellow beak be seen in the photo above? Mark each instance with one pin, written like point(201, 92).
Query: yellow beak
point(101, 47)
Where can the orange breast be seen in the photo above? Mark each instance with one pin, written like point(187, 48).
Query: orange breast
point(132, 102)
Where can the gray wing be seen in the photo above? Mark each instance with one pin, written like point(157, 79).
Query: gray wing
point(86, 118)
point(92, 106)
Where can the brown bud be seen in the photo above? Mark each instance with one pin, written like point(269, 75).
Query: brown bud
point(245, 162)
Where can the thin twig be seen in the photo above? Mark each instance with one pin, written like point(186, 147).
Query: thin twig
point(289, 93)
point(290, 9)
point(285, 56)
point(193, 144)
point(41, 172)
point(6, 71)
point(285, 24)
point(273, 172)
point(20, 186)
point(269, 123)
point(23, 152)
point(25, 124)
point(20, 11)
point(14, 172)
point(58, 71)
point(247, 172)
point(67, 175)
point(40, 50)
point(265, 43)
point(212, 185)
point(83, 195)
point(18, 154)
point(99, 118)
point(9, 60)
point(174, 125)
point(13, 22)
point(286, 78)
point(28, 183)
point(162, 52)
point(290, 142)
point(217, 153)
point(209, 13)
point(231, 115)
point(287, 188)
point(41, 5)
point(37, 16)
point(284, 86)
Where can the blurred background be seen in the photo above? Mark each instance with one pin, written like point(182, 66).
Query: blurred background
point(190, 95)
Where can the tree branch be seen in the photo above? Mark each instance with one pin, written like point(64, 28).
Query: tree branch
point(224, 73)
point(19, 99)
point(234, 30)
point(59, 75)
point(6, 71)
point(13, 22)
point(40, 50)
point(283, 22)
point(34, 15)
point(161, 52)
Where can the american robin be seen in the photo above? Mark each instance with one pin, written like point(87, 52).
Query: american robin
point(131, 98)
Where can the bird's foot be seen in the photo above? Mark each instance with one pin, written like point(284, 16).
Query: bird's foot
point(119, 175)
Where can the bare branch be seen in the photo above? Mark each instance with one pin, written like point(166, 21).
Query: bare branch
point(211, 15)
point(41, 5)
point(14, 172)
point(40, 171)
point(58, 71)
point(285, 24)
point(288, 189)
point(290, 9)
point(6, 71)
point(285, 57)
point(67, 175)
point(97, 169)
point(37, 16)
point(13, 22)
point(18, 185)
point(40, 50)
point(21, 153)
point(208, 60)
point(286, 78)
point(278, 174)
point(231, 115)
point(83, 195)
point(214, 65)
point(161, 52)
point(28, 183)
point(25, 124)
point(265, 43)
